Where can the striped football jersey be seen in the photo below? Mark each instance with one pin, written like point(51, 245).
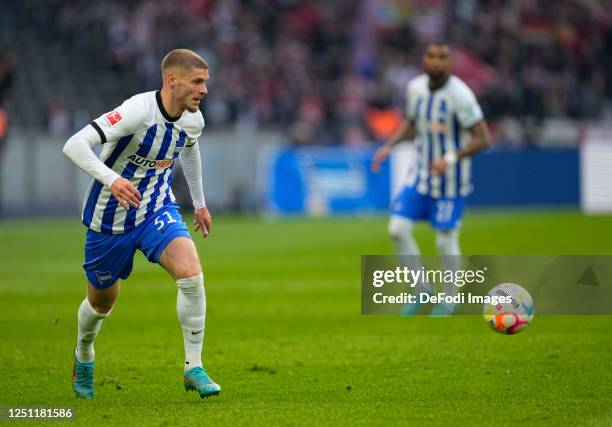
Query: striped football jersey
point(442, 119)
point(140, 141)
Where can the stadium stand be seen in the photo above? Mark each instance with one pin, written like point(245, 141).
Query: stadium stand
point(321, 69)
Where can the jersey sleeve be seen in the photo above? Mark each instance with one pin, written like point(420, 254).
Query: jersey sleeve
point(192, 169)
point(79, 149)
point(195, 136)
point(201, 124)
point(194, 128)
point(123, 120)
point(468, 110)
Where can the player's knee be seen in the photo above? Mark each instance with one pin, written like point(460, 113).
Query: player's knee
point(102, 301)
point(180, 259)
point(191, 284)
point(102, 308)
point(400, 227)
point(442, 238)
point(447, 242)
point(188, 270)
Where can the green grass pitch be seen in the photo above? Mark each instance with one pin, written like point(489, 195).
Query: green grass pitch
point(285, 339)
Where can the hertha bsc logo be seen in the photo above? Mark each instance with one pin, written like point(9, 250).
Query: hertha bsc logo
point(113, 117)
point(103, 276)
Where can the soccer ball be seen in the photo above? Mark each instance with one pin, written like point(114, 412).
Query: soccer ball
point(511, 317)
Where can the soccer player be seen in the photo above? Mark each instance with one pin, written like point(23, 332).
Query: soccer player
point(129, 205)
point(443, 115)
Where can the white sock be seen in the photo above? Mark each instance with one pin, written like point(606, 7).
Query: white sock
point(406, 247)
point(447, 243)
point(400, 229)
point(191, 310)
point(90, 322)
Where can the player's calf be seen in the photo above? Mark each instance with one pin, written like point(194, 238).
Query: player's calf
point(191, 310)
point(90, 320)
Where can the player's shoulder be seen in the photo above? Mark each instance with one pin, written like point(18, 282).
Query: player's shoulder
point(459, 88)
point(192, 123)
point(124, 119)
point(418, 83)
point(139, 105)
point(144, 98)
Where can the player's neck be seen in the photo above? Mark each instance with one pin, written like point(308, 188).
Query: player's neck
point(438, 83)
point(171, 108)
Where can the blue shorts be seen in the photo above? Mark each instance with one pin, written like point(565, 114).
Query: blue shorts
point(443, 213)
point(109, 257)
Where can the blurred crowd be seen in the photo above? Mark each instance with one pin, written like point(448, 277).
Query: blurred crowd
point(335, 71)
point(6, 83)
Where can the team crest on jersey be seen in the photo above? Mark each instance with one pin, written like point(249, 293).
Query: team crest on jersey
point(147, 163)
point(113, 117)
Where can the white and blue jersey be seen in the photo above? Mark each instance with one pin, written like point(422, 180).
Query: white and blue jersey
point(140, 142)
point(442, 118)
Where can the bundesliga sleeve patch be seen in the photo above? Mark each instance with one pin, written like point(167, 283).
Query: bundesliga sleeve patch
point(113, 118)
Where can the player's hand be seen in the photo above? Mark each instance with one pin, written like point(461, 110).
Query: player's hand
point(438, 166)
point(381, 154)
point(202, 221)
point(126, 194)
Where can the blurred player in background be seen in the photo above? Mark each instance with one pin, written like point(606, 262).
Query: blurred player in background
point(129, 206)
point(444, 116)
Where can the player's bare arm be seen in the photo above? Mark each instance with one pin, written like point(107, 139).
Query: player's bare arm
point(406, 132)
point(480, 139)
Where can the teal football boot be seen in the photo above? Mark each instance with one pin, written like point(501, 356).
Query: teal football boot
point(197, 379)
point(83, 378)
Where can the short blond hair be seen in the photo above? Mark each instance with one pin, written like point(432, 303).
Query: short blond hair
point(183, 59)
